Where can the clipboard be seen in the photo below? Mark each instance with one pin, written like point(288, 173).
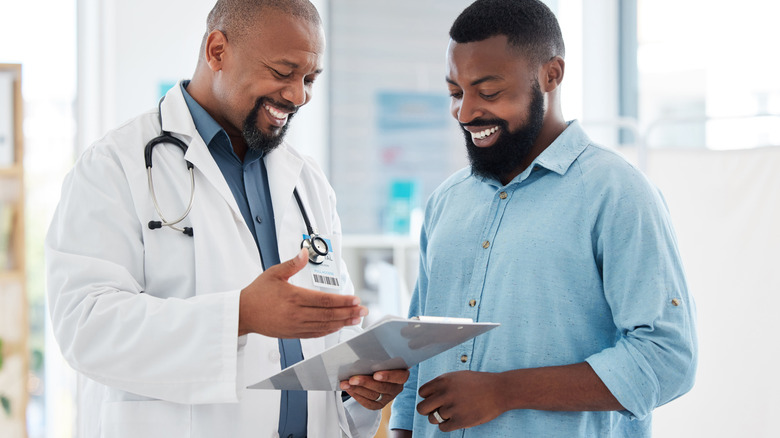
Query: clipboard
point(392, 343)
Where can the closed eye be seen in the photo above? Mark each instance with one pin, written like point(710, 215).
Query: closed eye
point(279, 74)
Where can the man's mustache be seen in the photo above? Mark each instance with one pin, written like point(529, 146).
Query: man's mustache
point(484, 122)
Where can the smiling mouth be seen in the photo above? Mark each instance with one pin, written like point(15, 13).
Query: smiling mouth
point(481, 135)
point(276, 113)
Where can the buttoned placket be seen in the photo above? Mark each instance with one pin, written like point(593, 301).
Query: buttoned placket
point(476, 288)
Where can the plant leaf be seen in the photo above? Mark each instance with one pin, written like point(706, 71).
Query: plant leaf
point(6, 404)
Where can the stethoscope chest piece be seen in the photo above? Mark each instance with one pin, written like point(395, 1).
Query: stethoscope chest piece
point(314, 244)
point(317, 248)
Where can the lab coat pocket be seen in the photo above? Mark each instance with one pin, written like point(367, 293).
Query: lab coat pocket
point(148, 419)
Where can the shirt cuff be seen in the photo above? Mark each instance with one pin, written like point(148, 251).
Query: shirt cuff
point(629, 378)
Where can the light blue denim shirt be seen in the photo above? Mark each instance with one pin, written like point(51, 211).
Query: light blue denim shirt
point(577, 259)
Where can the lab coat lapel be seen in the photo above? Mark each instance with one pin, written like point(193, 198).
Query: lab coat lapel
point(284, 169)
point(178, 120)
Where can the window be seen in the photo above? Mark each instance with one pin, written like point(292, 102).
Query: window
point(706, 73)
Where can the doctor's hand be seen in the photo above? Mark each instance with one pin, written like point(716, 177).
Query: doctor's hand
point(376, 391)
point(273, 307)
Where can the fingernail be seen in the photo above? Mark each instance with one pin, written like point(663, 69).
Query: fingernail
point(355, 301)
point(344, 386)
point(363, 311)
point(354, 321)
point(354, 381)
point(378, 376)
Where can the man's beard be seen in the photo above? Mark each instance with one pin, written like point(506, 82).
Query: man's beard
point(256, 139)
point(511, 148)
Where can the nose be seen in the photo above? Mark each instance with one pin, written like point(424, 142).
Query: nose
point(296, 93)
point(465, 109)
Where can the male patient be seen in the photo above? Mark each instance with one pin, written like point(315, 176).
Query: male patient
point(561, 241)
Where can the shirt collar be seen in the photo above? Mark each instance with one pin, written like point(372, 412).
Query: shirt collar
point(208, 128)
point(557, 157)
point(562, 152)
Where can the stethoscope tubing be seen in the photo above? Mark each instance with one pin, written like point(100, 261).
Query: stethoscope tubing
point(165, 222)
point(312, 243)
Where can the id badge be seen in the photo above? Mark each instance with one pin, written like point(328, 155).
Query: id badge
point(327, 274)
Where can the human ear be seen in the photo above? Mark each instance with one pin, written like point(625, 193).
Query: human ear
point(214, 49)
point(552, 72)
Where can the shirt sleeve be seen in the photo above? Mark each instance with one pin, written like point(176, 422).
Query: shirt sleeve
point(654, 359)
point(404, 405)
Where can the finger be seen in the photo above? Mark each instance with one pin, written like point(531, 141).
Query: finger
point(372, 387)
point(312, 298)
point(318, 315)
point(392, 376)
point(429, 405)
point(429, 388)
point(367, 402)
point(290, 267)
point(366, 393)
point(319, 329)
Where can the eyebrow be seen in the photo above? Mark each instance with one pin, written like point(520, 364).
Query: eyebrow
point(478, 81)
point(295, 66)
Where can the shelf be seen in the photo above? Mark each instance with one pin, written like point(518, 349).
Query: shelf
point(14, 325)
point(12, 276)
point(15, 171)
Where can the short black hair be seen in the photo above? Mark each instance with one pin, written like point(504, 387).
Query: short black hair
point(529, 26)
point(238, 17)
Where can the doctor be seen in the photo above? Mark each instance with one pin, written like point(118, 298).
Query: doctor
point(167, 329)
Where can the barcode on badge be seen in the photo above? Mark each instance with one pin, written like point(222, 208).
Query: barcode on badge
point(326, 281)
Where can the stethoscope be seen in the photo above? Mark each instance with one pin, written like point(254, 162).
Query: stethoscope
point(315, 245)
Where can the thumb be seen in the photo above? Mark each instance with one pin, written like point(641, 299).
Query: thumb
point(291, 267)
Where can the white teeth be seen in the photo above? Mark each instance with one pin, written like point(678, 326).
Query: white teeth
point(275, 113)
point(482, 134)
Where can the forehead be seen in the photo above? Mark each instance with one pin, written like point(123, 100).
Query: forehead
point(280, 37)
point(490, 57)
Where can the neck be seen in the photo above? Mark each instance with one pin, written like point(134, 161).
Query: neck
point(200, 88)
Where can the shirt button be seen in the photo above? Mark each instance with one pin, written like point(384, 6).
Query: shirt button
point(259, 219)
point(464, 358)
point(503, 195)
point(473, 303)
point(486, 244)
point(675, 302)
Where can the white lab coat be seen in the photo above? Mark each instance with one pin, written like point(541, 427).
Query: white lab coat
point(168, 362)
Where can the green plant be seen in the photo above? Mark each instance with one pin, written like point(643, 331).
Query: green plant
point(4, 401)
